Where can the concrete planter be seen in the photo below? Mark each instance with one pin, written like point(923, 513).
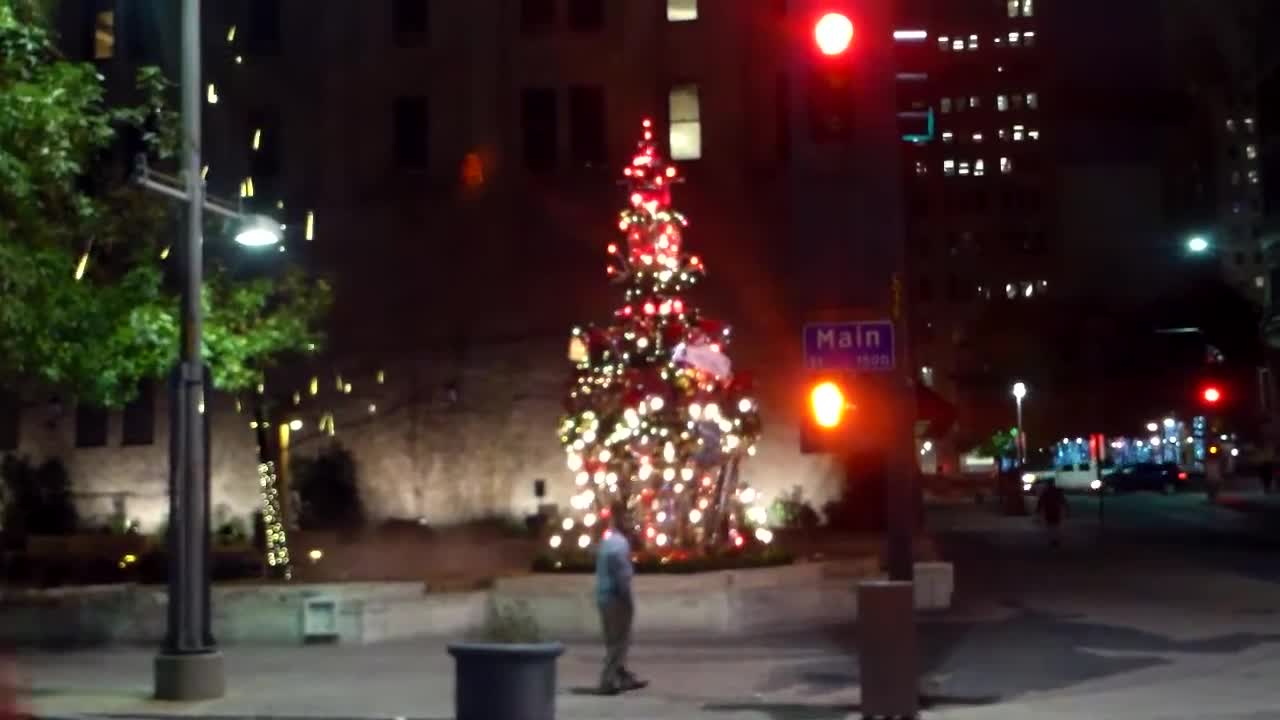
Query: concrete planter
point(505, 682)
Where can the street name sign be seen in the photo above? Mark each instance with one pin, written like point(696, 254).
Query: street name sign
point(862, 346)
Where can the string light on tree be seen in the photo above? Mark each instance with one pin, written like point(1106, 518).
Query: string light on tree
point(655, 416)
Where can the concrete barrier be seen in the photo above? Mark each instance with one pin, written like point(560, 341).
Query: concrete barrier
point(728, 603)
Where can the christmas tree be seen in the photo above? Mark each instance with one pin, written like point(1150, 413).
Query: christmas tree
point(656, 419)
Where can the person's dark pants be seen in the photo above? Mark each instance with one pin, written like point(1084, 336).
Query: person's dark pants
point(615, 616)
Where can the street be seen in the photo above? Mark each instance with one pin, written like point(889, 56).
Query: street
point(1167, 613)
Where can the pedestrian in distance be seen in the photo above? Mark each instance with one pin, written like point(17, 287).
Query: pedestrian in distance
point(1052, 509)
point(617, 606)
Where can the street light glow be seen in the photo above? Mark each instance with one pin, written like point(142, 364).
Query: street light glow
point(1019, 390)
point(1198, 244)
point(258, 231)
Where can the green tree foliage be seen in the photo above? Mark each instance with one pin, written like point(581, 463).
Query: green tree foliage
point(86, 306)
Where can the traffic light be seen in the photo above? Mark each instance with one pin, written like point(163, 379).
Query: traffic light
point(828, 425)
point(831, 88)
point(1211, 395)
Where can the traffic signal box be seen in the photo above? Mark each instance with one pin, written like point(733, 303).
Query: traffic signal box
point(830, 85)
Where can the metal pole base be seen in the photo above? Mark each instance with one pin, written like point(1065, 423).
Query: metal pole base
point(888, 656)
point(184, 678)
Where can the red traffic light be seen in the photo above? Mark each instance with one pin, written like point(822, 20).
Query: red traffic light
point(833, 33)
point(1211, 395)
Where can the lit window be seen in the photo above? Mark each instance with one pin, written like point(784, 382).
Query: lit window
point(1236, 208)
point(682, 10)
point(1014, 7)
point(686, 123)
point(975, 102)
point(948, 167)
point(921, 168)
point(1231, 125)
point(962, 103)
point(1033, 101)
point(964, 169)
point(1254, 177)
point(945, 105)
point(1251, 152)
point(977, 137)
point(1006, 165)
point(211, 94)
point(973, 42)
point(1028, 289)
point(1002, 102)
point(944, 43)
point(1260, 282)
point(1018, 132)
point(1010, 291)
point(1249, 125)
point(957, 44)
point(979, 168)
point(1029, 38)
point(1014, 37)
point(948, 136)
point(1033, 134)
point(1004, 134)
point(104, 35)
point(926, 376)
point(1028, 8)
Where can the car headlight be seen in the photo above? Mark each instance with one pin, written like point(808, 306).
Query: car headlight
point(1028, 478)
point(1096, 485)
point(1026, 487)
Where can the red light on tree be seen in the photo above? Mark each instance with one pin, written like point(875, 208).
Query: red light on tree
point(833, 33)
point(1211, 395)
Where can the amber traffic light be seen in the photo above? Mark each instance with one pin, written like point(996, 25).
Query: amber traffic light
point(827, 404)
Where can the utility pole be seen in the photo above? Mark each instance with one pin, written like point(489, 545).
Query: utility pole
point(189, 667)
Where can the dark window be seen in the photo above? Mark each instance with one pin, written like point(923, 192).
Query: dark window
point(139, 417)
point(10, 421)
point(411, 22)
point(926, 289)
point(264, 138)
point(263, 32)
point(142, 32)
point(955, 290)
point(586, 125)
point(91, 426)
point(1239, 258)
point(411, 132)
point(782, 111)
point(586, 15)
point(537, 14)
point(1257, 258)
point(538, 126)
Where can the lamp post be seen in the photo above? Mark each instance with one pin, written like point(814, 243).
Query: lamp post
point(189, 666)
point(1020, 392)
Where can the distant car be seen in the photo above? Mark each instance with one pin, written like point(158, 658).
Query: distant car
point(1069, 478)
point(1166, 478)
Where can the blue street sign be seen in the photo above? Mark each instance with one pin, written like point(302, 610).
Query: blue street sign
point(860, 346)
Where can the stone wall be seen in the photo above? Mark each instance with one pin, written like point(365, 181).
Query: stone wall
point(446, 437)
point(134, 479)
point(453, 437)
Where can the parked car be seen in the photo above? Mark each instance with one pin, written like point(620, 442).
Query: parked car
point(1167, 478)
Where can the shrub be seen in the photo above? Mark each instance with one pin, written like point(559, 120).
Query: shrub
point(511, 625)
point(791, 511)
point(37, 499)
point(751, 557)
point(329, 491)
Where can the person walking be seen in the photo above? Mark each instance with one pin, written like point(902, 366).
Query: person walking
point(617, 607)
point(1051, 508)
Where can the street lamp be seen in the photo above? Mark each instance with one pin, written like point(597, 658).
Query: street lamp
point(1198, 244)
point(189, 666)
point(1020, 392)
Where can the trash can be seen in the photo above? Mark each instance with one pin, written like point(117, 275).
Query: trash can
point(887, 652)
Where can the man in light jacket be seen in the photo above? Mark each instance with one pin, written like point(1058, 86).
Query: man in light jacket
point(613, 594)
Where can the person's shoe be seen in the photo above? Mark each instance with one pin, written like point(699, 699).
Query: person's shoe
point(631, 682)
point(609, 690)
